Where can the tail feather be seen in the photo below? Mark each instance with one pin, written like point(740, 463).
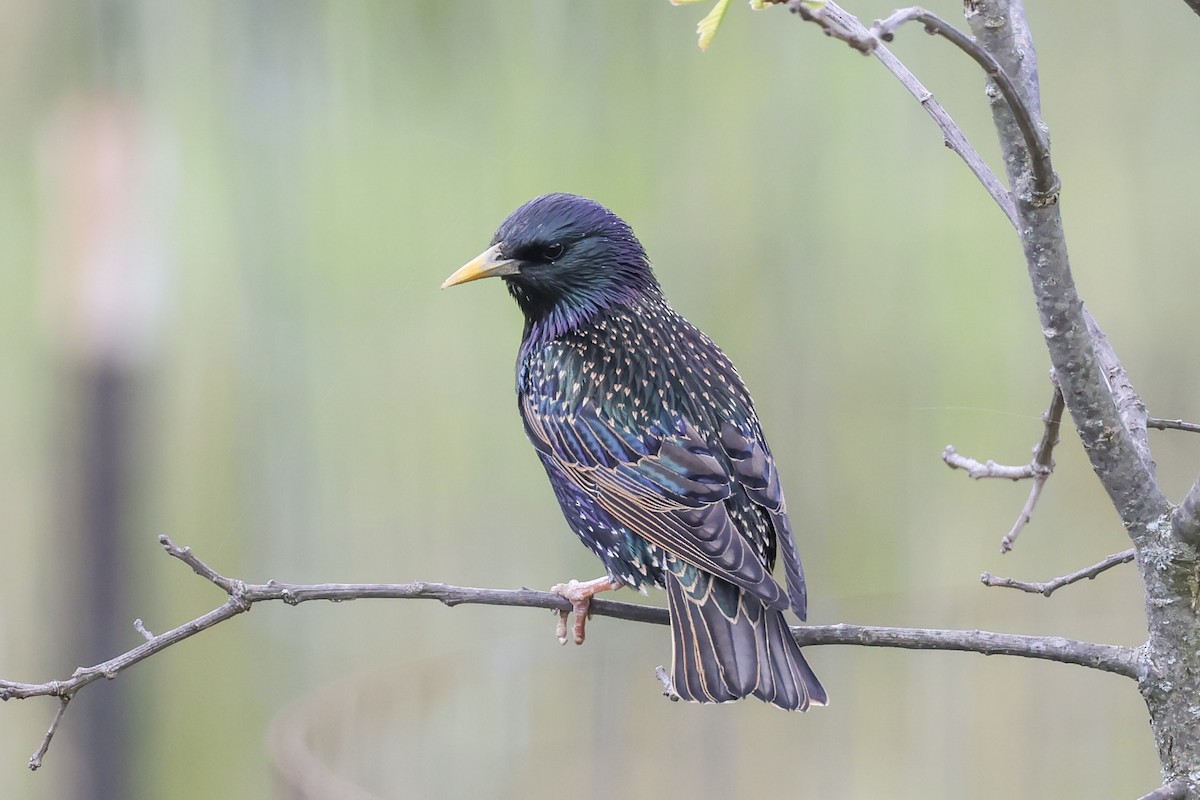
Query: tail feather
point(797, 593)
point(725, 650)
point(794, 684)
point(696, 658)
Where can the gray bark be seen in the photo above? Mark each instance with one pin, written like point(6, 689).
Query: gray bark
point(1110, 420)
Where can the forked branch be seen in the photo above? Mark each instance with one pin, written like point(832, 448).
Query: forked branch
point(1039, 469)
point(1106, 414)
point(843, 25)
point(835, 21)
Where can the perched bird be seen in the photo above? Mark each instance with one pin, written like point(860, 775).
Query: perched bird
point(654, 451)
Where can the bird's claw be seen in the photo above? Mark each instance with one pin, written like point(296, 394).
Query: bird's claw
point(580, 594)
point(560, 630)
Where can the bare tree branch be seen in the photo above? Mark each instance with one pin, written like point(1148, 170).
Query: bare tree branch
point(1043, 466)
point(1052, 419)
point(836, 17)
point(1001, 29)
point(1172, 424)
point(979, 470)
point(1042, 462)
point(1039, 469)
point(1035, 493)
point(35, 760)
point(1045, 182)
point(1109, 422)
point(835, 21)
point(1049, 587)
point(1175, 790)
point(952, 135)
point(1106, 657)
point(1109, 417)
point(1064, 319)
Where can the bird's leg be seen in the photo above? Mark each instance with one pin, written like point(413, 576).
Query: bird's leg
point(580, 595)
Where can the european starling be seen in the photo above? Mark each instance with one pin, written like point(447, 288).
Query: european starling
point(654, 451)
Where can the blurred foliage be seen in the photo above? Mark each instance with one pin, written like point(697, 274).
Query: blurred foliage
point(311, 407)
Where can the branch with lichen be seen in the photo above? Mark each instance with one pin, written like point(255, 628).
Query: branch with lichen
point(241, 596)
point(1004, 50)
point(1108, 414)
point(1110, 417)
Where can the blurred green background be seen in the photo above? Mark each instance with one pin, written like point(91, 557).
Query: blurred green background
point(222, 230)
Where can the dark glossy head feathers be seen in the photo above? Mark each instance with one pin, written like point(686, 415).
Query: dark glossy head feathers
point(565, 258)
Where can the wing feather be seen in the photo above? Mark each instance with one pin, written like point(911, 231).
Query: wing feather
point(670, 489)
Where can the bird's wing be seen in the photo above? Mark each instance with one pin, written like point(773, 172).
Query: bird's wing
point(667, 486)
point(754, 470)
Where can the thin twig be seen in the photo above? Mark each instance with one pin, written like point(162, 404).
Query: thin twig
point(35, 760)
point(1043, 464)
point(1136, 495)
point(831, 18)
point(1049, 587)
point(1106, 657)
point(1039, 469)
point(1035, 493)
point(986, 469)
point(1172, 424)
point(952, 135)
point(668, 687)
point(1045, 182)
point(1116, 456)
point(1052, 418)
point(185, 555)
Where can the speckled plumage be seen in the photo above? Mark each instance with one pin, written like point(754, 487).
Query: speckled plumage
point(654, 450)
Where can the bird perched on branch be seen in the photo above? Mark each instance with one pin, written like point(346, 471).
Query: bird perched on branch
point(654, 450)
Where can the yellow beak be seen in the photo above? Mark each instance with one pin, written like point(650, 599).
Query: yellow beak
point(487, 264)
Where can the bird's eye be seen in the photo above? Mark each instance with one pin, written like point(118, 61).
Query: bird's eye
point(552, 251)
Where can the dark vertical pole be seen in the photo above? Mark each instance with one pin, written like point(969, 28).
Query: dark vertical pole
point(101, 275)
point(103, 627)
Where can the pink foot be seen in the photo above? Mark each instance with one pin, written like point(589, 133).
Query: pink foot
point(580, 595)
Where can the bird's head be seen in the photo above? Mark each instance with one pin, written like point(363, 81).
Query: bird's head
point(565, 258)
